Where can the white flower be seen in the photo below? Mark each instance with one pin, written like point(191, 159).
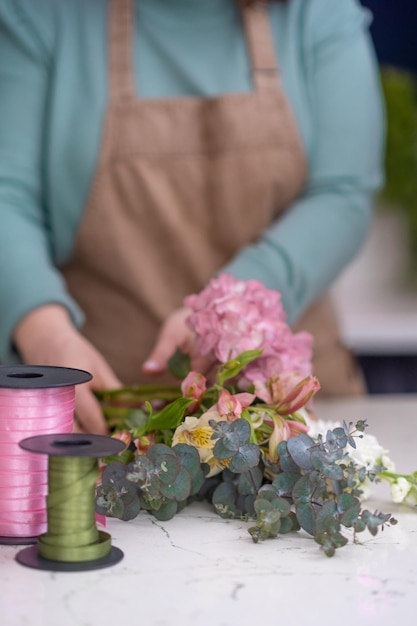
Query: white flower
point(400, 489)
point(369, 452)
point(411, 497)
point(317, 427)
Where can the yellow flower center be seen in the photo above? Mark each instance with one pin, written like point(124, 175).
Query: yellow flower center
point(198, 437)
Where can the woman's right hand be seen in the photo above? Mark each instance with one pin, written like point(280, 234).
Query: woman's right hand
point(46, 336)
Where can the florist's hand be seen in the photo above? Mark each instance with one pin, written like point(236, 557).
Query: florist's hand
point(175, 334)
point(46, 336)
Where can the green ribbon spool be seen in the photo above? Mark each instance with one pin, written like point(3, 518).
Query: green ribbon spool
point(72, 534)
point(72, 541)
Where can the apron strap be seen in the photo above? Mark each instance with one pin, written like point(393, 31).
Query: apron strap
point(262, 53)
point(121, 37)
point(120, 50)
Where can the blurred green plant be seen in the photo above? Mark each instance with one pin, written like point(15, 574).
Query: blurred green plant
point(400, 190)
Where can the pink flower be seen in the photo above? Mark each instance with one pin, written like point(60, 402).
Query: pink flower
point(229, 407)
point(231, 316)
point(145, 442)
point(124, 436)
point(288, 392)
point(283, 430)
point(194, 386)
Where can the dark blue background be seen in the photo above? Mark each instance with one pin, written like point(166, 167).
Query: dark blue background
point(394, 31)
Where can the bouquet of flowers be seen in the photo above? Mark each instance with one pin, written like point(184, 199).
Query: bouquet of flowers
point(244, 436)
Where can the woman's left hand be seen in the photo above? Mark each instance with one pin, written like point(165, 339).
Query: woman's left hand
point(175, 334)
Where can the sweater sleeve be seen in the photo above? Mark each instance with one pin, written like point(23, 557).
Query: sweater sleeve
point(28, 278)
point(306, 249)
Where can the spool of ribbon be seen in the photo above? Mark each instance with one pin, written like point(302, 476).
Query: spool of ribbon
point(34, 400)
point(72, 541)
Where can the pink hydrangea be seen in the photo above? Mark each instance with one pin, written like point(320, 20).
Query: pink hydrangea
point(231, 316)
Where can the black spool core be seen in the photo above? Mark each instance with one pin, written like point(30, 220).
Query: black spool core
point(25, 375)
point(74, 444)
point(71, 443)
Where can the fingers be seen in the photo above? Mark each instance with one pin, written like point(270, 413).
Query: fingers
point(174, 334)
point(88, 412)
point(105, 378)
point(156, 362)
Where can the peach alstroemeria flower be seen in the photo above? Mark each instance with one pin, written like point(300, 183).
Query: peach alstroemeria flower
point(194, 385)
point(123, 436)
point(230, 407)
point(282, 431)
point(287, 392)
point(144, 443)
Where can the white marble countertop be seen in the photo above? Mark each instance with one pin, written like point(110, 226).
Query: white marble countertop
point(200, 570)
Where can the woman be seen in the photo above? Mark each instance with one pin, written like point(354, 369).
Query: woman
point(150, 144)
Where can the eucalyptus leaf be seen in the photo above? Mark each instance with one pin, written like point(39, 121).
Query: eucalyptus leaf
point(250, 482)
point(168, 468)
point(166, 511)
point(299, 449)
point(306, 517)
point(284, 483)
point(349, 509)
point(247, 457)
point(189, 457)
point(180, 488)
point(285, 460)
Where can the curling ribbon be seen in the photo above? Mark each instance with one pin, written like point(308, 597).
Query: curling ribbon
point(23, 475)
point(72, 541)
point(72, 532)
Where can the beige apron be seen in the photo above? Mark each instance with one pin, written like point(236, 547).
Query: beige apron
point(182, 184)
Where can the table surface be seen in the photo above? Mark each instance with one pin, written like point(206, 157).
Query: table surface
point(199, 569)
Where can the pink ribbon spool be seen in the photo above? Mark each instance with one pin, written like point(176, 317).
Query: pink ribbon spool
point(34, 400)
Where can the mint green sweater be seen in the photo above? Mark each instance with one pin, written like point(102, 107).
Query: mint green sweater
point(53, 85)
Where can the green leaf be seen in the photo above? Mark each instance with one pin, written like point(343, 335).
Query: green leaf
point(168, 468)
point(170, 416)
point(227, 446)
point(136, 419)
point(131, 510)
point(179, 364)
point(231, 368)
point(247, 457)
point(166, 511)
point(328, 510)
point(179, 489)
point(299, 448)
point(306, 517)
point(288, 524)
point(125, 457)
point(303, 489)
point(250, 482)
point(285, 460)
point(349, 509)
point(189, 458)
point(224, 500)
point(284, 483)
